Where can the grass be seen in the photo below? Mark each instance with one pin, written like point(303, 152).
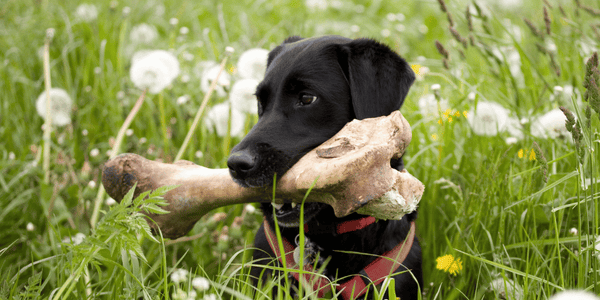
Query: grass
point(506, 217)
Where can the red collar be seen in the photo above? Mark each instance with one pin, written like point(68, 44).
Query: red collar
point(344, 227)
point(356, 286)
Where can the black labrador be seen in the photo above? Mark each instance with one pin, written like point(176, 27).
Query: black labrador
point(311, 89)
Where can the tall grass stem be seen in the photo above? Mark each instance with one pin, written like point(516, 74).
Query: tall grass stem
point(200, 111)
point(114, 151)
point(48, 121)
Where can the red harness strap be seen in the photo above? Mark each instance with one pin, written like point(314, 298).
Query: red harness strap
point(376, 271)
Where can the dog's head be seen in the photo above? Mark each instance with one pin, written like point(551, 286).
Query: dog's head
point(311, 89)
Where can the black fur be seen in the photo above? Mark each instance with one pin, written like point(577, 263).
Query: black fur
point(352, 79)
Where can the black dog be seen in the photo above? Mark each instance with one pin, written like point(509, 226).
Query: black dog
point(312, 88)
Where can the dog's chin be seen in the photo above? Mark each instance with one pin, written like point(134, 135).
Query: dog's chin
point(288, 215)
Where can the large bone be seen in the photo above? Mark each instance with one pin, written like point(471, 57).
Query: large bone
point(350, 172)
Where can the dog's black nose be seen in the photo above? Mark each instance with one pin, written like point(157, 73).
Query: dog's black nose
point(240, 163)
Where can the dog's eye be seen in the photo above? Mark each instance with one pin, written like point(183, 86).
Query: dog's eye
point(306, 99)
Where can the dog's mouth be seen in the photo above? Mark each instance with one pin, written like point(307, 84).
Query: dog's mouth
point(288, 214)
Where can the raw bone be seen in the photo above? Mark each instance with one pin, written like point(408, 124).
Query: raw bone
point(351, 172)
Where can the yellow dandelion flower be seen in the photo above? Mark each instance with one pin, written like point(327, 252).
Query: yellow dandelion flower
point(457, 114)
point(532, 155)
point(440, 121)
point(521, 153)
point(232, 70)
point(416, 69)
point(434, 137)
point(449, 119)
point(448, 263)
point(465, 113)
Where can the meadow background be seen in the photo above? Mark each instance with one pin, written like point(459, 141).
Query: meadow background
point(510, 209)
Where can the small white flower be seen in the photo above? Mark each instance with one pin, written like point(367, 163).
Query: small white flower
point(217, 119)
point(428, 106)
point(110, 201)
point(385, 32)
point(210, 297)
point(173, 21)
point(84, 132)
point(143, 140)
point(185, 78)
point(199, 154)
point(229, 50)
point(183, 99)
point(423, 29)
point(126, 11)
point(471, 96)
point(558, 89)
point(210, 74)
point(184, 30)
point(200, 283)
point(94, 152)
point(597, 247)
point(315, 5)
point(61, 106)
point(400, 27)
point(120, 95)
point(242, 96)
point(191, 295)
point(574, 295)
point(92, 184)
point(400, 17)
point(86, 12)
point(250, 208)
point(129, 132)
point(76, 239)
point(11, 156)
point(179, 275)
point(97, 70)
point(391, 17)
point(511, 140)
point(187, 56)
point(30, 227)
point(253, 63)
point(355, 28)
point(436, 87)
point(514, 128)
point(488, 118)
point(154, 70)
point(143, 34)
point(550, 125)
point(573, 231)
point(506, 289)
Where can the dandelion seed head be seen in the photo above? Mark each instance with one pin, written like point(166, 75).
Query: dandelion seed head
point(30, 227)
point(217, 120)
point(154, 70)
point(428, 105)
point(242, 96)
point(184, 30)
point(488, 118)
point(551, 125)
point(209, 75)
point(61, 106)
point(110, 201)
point(126, 11)
point(173, 21)
point(183, 99)
point(92, 184)
point(252, 64)
point(201, 284)
point(179, 275)
point(94, 152)
point(574, 294)
point(86, 12)
point(143, 34)
point(573, 231)
point(506, 289)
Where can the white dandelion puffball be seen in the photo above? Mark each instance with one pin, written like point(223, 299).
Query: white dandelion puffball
point(574, 294)
point(153, 70)
point(200, 283)
point(61, 106)
point(210, 74)
point(143, 34)
point(428, 106)
point(514, 128)
point(550, 125)
point(253, 63)
point(86, 12)
point(179, 275)
point(506, 289)
point(242, 96)
point(488, 118)
point(217, 120)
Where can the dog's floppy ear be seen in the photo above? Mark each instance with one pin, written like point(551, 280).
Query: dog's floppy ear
point(379, 79)
point(277, 50)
